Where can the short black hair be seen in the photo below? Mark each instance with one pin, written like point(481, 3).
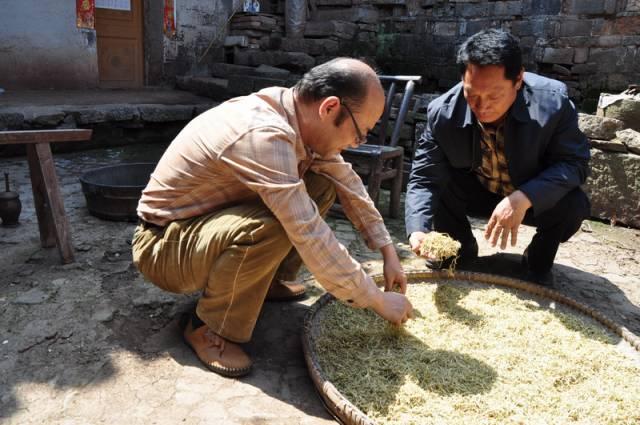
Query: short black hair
point(491, 47)
point(333, 78)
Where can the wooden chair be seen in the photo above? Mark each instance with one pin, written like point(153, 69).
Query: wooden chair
point(381, 158)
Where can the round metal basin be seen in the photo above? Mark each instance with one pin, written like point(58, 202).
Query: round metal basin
point(113, 192)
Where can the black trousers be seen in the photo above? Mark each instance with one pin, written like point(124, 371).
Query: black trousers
point(464, 195)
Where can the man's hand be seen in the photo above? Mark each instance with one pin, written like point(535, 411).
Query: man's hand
point(415, 240)
point(393, 307)
point(393, 272)
point(506, 219)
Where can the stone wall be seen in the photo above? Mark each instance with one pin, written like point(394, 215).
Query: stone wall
point(613, 186)
point(591, 45)
point(201, 27)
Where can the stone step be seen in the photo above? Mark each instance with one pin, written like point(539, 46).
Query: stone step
point(624, 107)
point(602, 128)
point(262, 18)
point(254, 33)
point(240, 85)
point(293, 61)
point(246, 81)
point(259, 22)
point(214, 88)
point(612, 186)
point(312, 46)
point(343, 3)
point(226, 70)
point(366, 14)
point(330, 28)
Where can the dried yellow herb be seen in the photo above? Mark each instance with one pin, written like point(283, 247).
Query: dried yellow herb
point(440, 246)
point(478, 354)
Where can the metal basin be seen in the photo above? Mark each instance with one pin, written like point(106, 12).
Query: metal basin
point(113, 192)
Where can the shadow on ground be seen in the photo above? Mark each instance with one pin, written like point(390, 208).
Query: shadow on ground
point(279, 369)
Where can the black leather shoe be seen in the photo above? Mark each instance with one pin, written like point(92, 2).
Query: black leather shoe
point(544, 278)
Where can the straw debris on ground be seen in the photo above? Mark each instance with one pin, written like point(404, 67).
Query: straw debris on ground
point(479, 354)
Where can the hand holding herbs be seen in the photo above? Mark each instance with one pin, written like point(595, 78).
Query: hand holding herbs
point(437, 248)
point(392, 307)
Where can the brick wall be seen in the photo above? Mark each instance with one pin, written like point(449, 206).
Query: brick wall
point(592, 45)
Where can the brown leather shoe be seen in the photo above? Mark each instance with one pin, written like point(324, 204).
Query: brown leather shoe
point(215, 352)
point(281, 290)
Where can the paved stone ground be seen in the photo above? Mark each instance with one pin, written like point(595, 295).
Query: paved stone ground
point(92, 342)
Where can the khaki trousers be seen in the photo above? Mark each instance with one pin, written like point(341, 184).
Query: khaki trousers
point(231, 255)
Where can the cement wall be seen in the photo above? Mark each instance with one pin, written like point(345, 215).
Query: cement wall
point(40, 46)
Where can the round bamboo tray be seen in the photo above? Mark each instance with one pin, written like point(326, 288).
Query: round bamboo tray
point(346, 413)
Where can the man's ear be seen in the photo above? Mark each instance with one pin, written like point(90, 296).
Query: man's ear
point(329, 107)
point(520, 79)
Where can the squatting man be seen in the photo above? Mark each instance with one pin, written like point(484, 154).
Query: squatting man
point(504, 144)
point(237, 201)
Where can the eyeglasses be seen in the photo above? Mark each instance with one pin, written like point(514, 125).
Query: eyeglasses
point(360, 139)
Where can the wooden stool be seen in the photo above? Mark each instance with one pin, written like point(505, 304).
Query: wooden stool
point(52, 221)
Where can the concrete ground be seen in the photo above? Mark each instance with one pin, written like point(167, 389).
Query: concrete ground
point(92, 343)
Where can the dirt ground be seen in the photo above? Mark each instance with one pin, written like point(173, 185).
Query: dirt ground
point(92, 343)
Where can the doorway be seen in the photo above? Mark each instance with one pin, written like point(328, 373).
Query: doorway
point(120, 43)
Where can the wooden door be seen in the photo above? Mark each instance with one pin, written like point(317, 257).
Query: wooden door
point(119, 32)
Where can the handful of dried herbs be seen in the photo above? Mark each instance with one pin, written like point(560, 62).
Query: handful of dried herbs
point(438, 247)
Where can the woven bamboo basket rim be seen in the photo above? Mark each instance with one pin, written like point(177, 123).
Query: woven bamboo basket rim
point(346, 413)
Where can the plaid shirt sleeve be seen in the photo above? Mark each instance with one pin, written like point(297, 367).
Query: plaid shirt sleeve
point(358, 207)
point(265, 161)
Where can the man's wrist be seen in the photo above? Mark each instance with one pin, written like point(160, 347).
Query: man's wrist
point(522, 199)
point(375, 301)
point(387, 246)
point(387, 250)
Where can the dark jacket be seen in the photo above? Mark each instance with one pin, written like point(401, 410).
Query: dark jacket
point(546, 152)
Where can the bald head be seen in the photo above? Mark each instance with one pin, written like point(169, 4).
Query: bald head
point(349, 79)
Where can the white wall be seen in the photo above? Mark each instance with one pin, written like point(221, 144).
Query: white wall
point(40, 46)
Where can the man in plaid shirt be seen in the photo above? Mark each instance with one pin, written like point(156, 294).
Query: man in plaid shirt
point(504, 144)
point(236, 204)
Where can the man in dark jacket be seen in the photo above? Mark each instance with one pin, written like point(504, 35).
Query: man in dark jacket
point(504, 144)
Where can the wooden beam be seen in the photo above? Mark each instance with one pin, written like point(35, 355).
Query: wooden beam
point(54, 226)
point(43, 208)
point(44, 136)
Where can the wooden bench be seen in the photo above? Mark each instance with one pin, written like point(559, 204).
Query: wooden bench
point(52, 221)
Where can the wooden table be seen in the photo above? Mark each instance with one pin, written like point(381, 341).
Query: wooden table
point(52, 221)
